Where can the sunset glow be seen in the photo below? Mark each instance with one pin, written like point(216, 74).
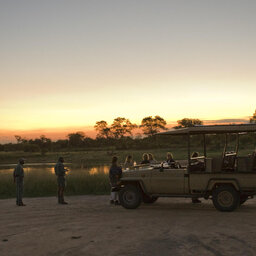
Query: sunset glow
point(66, 65)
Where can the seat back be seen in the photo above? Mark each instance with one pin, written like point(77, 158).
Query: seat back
point(229, 161)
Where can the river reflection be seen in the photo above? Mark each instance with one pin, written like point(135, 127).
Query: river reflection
point(49, 168)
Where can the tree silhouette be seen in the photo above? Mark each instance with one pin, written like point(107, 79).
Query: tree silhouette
point(121, 127)
point(102, 128)
point(76, 139)
point(20, 139)
point(188, 122)
point(43, 143)
point(253, 118)
point(152, 125)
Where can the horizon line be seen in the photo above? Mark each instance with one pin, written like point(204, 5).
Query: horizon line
point(7, 136)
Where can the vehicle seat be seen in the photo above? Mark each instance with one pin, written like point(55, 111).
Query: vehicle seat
point(175, 165)
point(196, 166)
point(229, 162)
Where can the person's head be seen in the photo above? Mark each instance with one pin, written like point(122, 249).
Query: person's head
point(128, 159)
point(169, 155)
point(150, 157)
point(61, 159)
point(195, 154)
point(145, 156)
point(22, 161)
point(114, 160)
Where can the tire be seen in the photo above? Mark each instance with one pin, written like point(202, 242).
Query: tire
point(225, 198)
point(149, 199)
point(243, 199)
point(130, 197)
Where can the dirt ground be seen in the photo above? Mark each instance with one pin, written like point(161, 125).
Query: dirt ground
point(90, 226)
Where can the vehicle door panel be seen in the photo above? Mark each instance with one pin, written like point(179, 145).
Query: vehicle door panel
point(167, 181)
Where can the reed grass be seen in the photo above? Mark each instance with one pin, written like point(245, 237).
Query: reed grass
point(39, 183)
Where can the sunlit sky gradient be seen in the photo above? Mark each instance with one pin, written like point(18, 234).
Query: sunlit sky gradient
point(68, 64)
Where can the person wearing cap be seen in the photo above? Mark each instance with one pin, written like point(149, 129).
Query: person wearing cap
point(18, 177)
point(60, 171)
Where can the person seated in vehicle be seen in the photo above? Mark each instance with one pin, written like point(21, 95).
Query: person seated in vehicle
point(151, 159)
point(171, 162)
point(128, 162)
point(145, 159)
point(115, 174)
point(195, 164)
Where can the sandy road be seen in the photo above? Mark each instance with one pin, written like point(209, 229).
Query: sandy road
point(90, 226)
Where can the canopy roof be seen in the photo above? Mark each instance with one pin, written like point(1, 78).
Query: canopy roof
point(212, 129)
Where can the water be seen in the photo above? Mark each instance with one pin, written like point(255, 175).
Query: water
point(49, 168)
point(40, 180)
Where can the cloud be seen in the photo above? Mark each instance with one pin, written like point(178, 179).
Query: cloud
point(227, 121)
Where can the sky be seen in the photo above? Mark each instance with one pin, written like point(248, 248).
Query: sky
point(66, 64)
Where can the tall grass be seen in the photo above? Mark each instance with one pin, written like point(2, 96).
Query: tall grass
point(40, 182)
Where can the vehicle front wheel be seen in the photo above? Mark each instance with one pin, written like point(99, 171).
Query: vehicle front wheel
point(225, 198)
point(130, 197)
point(149, 199)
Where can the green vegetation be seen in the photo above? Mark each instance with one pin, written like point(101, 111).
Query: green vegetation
point(253, 118)
point(88, 158)
point(40, 182)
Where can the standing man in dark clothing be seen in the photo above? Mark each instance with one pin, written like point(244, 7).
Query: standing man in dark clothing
point(60, 171)
point(115, 174)
point(18, 177)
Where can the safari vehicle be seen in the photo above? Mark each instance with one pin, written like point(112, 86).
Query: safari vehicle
point(229, 180)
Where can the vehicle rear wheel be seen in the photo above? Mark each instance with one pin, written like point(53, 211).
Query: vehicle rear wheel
point(149, 199)
point(130, 197)
point(225, 198)
point(243, 199)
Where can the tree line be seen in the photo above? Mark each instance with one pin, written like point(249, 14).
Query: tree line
point(122, 127)
point(118, 135)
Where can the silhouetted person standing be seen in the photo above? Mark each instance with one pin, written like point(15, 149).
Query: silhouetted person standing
point(18, 176)
point(115, 174)
point(60, 171)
